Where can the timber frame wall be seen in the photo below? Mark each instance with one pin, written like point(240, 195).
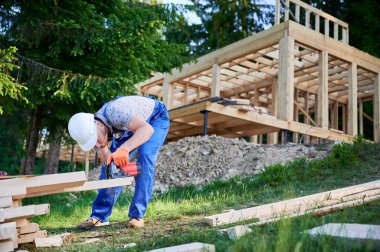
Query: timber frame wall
point(300, 76)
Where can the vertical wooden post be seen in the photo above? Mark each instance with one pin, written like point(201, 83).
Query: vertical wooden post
point(298, 13)
point(295, 134)
point(253, 139)
point(199, 93)
point(256, 101)
point(336, 31)
point(361, 128)
point(166, 96)
point(376, 109)
point(285, 84)
point(273, 137)
point(185, 94)
point(336, 115)
point(215, 87)
point(316, 27)
point(307, 121)
point(286, 10)
point(323, 100)
point(352, 126)
point(344, 118)
point(307, 18)
point(345, 35)
point(327, 28)
point(278, 11)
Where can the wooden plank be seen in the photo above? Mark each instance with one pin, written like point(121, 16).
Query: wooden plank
point(7, 245)
point(316, 211)
point(361, 128)
point(285, 84)
point(6, 201)
point(31, 228)
point(291, 206)
point(352, 125)
point(190, 247)
point(9, 214)
point(323, 100)
point(15, 191)
point(46, 182)
point(48, 242)
point(8, 231)
point(28, 238)
point(92, 185)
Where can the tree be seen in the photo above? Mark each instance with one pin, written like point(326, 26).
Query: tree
point(95, 50)
point(8, 85)
point(226, 21)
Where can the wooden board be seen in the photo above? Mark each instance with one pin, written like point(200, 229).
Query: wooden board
point(31, 228)
point(46, 182)
point(9, 214)
point(15, 191)
point(92, 185)
point(27, 238)
point(6, 201)
point(193, 247)
point(8, 232)
point(48, 242)
point(291, 206)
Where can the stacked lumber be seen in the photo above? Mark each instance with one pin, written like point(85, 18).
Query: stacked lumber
point(15, 227)
point(320, 203)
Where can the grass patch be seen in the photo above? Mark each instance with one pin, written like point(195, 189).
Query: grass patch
point(175, 217)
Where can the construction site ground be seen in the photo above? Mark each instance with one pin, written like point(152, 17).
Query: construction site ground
point(175, 216)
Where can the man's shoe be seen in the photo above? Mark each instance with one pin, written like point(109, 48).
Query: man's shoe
point(92, 222)
point(136, 223)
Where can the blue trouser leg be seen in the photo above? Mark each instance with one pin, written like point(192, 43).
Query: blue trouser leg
point(106, 198)
point(146, 157)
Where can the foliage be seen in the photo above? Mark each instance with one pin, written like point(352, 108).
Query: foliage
point(224, 22)
point(8, 85)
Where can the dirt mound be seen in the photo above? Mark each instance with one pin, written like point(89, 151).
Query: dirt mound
point(198, 160)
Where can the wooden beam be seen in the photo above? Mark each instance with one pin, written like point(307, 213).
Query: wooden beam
point(276, 123)
point(92, 185)
point(323, 100)
point(292, 206)
point(46, 182)
point(285, 85)
point(235, 50)
point(215, 87)
point(352, 125)
point(8, 231)
point(376, 109)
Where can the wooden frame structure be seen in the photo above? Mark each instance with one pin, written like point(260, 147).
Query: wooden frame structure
point(304, 75)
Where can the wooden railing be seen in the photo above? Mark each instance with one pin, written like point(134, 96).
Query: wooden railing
point(298, 11)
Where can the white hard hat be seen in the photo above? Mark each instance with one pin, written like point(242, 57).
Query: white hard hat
point(82, 128)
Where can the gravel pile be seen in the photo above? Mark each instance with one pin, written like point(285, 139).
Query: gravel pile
point(198, 160)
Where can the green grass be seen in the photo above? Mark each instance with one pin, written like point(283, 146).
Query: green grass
point(175, 217)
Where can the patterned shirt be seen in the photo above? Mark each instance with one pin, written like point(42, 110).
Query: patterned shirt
point(120, 111)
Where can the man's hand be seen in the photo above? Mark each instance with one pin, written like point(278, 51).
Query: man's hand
point(120, 157)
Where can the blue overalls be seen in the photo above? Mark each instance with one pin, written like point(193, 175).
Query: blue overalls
point(146, 156)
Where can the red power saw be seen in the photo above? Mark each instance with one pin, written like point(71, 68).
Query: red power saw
point(131, 169)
